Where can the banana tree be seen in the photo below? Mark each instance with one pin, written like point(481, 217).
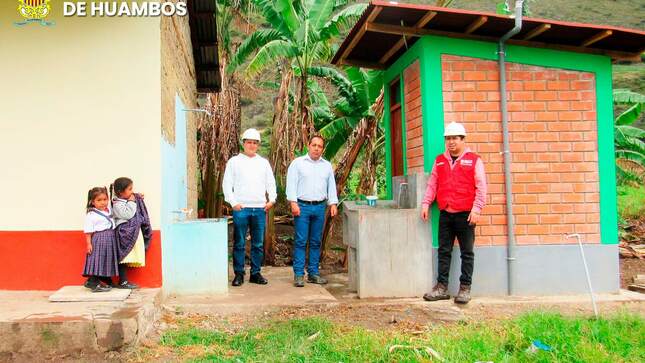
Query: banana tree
point(351, 124)
point(299, 33)
point(628, 139)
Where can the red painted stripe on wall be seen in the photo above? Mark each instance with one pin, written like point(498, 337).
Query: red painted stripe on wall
point(49, 260)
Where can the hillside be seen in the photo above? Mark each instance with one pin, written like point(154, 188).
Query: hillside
point(257, 105)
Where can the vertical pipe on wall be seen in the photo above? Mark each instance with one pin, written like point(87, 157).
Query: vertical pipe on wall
point(508, 182)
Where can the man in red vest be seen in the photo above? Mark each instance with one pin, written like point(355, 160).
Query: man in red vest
point(458, 183)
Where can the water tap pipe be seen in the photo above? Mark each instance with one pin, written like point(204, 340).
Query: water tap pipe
point(198, 110)
point(584, 263)
point(508, 181)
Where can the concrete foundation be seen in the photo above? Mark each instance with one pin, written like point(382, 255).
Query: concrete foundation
point(31, 324)
point(540, 270)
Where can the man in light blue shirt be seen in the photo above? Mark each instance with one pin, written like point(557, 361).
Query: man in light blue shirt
point(311, 187)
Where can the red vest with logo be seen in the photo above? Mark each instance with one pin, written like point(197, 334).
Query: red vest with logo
point(456, 186)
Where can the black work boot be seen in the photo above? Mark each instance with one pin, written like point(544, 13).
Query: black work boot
point(299, 281)
point(257, 278)
point(239, 279)
point(439, 292)
point(316, 279)
point(463, 296)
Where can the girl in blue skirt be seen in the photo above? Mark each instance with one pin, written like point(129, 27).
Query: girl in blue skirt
point(101, 262)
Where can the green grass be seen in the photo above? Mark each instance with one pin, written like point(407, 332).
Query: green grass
point(615, 339)
point(631, 201)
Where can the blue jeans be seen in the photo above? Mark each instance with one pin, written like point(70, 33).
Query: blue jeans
point(255, 218)
point(309, 226)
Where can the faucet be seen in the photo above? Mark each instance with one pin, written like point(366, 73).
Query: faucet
point(181, 214)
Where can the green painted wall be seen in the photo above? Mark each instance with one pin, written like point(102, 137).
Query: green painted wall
point(429, 49)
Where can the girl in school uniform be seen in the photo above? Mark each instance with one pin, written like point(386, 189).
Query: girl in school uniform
point(131, 217)
point(101, 260)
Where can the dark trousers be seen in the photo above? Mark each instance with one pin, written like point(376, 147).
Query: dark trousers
point(453, 225)
point(253, 219)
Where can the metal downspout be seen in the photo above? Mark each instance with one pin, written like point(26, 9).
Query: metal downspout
point(508, 181)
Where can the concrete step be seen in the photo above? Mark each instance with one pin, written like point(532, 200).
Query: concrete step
point(31, 324)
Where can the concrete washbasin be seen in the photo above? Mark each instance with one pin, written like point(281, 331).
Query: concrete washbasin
point(389, 248)
point(195, 257)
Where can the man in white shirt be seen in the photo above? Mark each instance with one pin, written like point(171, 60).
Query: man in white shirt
point(248, 179)
point(311, 187)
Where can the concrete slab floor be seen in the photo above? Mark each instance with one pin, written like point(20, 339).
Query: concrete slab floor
point(30, 323)
point(80, 294)
point(279, 292)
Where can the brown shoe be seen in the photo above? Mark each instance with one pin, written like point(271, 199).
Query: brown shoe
point(463, 296)
point(439, 292)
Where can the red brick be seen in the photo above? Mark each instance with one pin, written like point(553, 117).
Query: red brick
point(560, 146)
point(522, 178)
point(574, 218)
point(537, 168)
point(528, 240)
point(487, 106)
point(558, 85)
point(534, 126)
point(453, 96)
point(487, 86)
point(546, 116)
point(549, 198)
point(488, 126)
point(464, 106)
point(537, 229)
point(561, 167)
point(493, 230)
point(451, 76)
point(525, 198)
point(583, 105)
point(547, 178)
point(463, 66)
point(561, 188)
point(551, 218)
point(573, 198)
point(591, 156)
point(526, 219)
point(572, 157)
point(494, 116)
point(570, 116)
point(547, 136)
point(474, 76)
point(537, 208)
point(584, 146)
point(592, 197)
point(588, 95)
point(534, 106)
point(522, 96)
point(546, 157)
point(568, 76)
point(515, 86)
point(537, 188)
point(492, 75)
point(463, 86)
point(590, 136)
point(546, 75)
point(581, 85)
point(546, 96)
point(569, 95)
point(535, 86)
point(486, 66)
point(561, 229)
point(561, 208)
point(558, 106)
point(474, 117)
point(570, 136)
point(536, 147)
point(583, 126)
point(572, 177)
point(475, 96)
point(522, 136)
point(521, 76)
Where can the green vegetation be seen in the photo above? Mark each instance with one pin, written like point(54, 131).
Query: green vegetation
point(614, 339)
point(631, 202)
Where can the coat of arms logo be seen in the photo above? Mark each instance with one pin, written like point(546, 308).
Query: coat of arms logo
point(34, 11)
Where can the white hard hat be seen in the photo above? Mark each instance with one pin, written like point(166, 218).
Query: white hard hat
point(251, 134)
point(454, 129)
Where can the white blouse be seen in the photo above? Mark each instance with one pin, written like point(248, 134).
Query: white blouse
point(95, 222)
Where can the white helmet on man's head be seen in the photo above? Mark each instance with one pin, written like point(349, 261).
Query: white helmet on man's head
point(251, 134)
point(454, 129)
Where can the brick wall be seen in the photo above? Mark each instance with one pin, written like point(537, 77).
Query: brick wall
point(413, 120)
point(178, 77)
point(553, 141)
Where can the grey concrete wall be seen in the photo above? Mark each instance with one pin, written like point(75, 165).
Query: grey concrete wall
point(540, 270)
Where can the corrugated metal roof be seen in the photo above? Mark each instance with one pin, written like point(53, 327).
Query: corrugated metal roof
point(203, 34)
point(376, 40)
